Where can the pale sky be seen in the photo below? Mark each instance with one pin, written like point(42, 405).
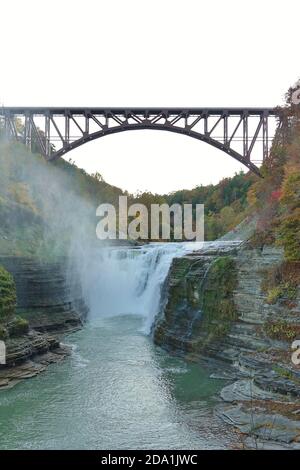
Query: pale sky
point(155, 53)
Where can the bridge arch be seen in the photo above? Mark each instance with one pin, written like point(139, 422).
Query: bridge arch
point(209, 140)
point(114, 120)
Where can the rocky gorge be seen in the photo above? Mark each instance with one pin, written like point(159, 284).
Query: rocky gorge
point(223, 316)
point(218, 311)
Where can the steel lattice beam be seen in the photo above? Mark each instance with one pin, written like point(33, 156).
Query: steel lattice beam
point(218, 127)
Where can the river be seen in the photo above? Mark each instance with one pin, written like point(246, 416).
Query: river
point(117, 390)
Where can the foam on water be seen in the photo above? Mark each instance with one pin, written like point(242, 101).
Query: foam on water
point(126, 281)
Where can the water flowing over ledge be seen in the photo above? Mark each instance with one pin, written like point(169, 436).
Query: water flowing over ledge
point(122, 281)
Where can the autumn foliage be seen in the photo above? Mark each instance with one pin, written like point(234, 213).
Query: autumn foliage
point(277, 196)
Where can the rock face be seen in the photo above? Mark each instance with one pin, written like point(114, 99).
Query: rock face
point(237, 339)
point(265, 430)
point(199, 310)
point(46, 296)
point(183, 324)
point(52, 304)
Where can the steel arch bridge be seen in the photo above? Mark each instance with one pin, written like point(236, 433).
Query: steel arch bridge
point(57, 131)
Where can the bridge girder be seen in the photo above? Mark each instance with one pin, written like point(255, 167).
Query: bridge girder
point(54, 125)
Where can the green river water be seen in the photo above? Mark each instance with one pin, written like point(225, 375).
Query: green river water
point(116, 391)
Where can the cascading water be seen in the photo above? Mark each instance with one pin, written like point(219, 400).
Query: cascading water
point(123, 281)
point(120, 390)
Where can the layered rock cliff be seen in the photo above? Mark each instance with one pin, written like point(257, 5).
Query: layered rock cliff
point(46, 296)
point(199, 309)
point(217, 309)
point(51, 303)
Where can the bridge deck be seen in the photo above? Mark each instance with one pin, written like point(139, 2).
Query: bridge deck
point(233, 130)
point(61, 111)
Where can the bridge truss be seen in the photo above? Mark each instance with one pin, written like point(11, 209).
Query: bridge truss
point(243, 133)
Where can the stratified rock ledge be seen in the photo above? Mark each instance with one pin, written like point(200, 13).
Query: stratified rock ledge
point(51, 301)
point(12, 375)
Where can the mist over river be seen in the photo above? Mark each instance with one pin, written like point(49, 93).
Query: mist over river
point(117, 390)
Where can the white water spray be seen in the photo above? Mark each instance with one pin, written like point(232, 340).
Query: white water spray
point(124, 281)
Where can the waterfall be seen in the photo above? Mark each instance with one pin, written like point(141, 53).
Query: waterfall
point(125, 281)
point(129, 281)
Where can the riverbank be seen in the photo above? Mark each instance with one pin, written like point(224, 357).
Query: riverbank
point(117, 390)
point(218, 309)
point(51, 303)
point(210, 307)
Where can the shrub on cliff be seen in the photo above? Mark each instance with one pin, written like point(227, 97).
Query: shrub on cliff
point(10, 325)
point(8, 296)
point(289, 228)
point(289, 235)
point(282, 330)
point(19, 326)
